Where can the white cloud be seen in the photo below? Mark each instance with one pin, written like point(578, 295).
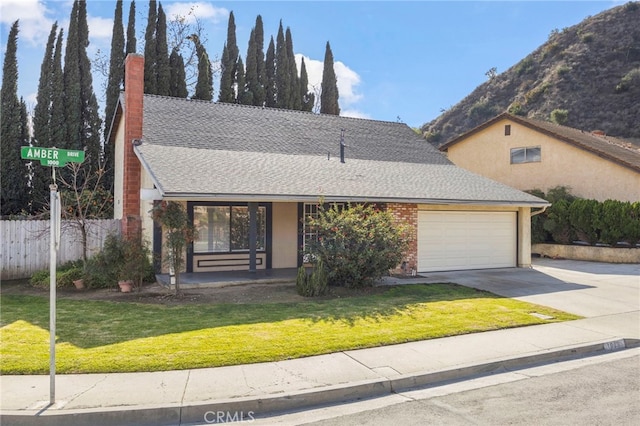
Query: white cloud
point(100, 27)
point(347, 81)
point(34, 25)
point(192, 10)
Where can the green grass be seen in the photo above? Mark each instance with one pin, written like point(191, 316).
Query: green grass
point(96, 336)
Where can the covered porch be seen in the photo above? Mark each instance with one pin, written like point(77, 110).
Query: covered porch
point(192, 280)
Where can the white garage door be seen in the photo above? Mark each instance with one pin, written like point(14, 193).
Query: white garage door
point(453, 240)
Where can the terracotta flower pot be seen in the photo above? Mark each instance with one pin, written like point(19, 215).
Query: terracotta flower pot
point(79, 284)
point(125, 286)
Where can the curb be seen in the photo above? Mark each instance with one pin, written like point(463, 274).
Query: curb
point(239, 409)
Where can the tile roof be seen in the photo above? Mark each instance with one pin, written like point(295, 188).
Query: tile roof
point(617, 150)
point(204, 150)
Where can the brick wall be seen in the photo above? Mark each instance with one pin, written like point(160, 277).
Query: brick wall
point(407, 213)
point(134, 89)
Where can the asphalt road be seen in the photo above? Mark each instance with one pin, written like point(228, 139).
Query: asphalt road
point(602, 390)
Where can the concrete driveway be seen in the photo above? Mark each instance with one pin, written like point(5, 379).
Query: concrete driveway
point(589, 289)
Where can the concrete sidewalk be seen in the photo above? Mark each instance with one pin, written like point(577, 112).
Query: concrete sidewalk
point(607, 295)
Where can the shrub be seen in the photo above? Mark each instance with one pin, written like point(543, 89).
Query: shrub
point(557, 223)
point(65, 275)
point(583, 216)
point(314, 284)
point(358, 243)
point(103, 269)
point(559, 116)
point(631, 225)
point(611, 221)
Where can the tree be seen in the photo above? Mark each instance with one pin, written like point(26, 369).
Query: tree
point(308, 99)
point(15, 190)
point(295, 100)
point(178, 232)
point(163, 73)
point(177, 80)
point(114, 85)
point(131, 30)
point(329, 95)
point(229, 64)
point(271, 89)
point(283, 76)
point(150, 51)
point(81, 106)
point(84, 198)
point(204, 86)
point(42, 122)
point(255, 72)
point(244, 96)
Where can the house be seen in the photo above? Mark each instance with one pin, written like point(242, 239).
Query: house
point(241, 167)
point(531, 154)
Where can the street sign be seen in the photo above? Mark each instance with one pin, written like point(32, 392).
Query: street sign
point(53, 157)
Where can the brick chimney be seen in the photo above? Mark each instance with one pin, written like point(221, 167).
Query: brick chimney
point(133, 94)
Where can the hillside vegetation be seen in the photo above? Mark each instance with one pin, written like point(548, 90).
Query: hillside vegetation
point(586, 76)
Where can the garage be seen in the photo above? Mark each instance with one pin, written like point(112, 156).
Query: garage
point(457, 240)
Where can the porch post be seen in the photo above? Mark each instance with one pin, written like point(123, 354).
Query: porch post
point(253, 237)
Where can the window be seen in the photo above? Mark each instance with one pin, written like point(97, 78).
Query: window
point(529, 154)
point(224, 229)
point(507, 129)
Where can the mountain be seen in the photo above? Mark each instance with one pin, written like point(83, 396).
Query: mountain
point(586, 76)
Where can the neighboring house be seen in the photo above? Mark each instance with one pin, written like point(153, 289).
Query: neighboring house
point(225, 161)
point(530, 154)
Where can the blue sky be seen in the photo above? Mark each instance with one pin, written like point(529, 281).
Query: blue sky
point(394, 60)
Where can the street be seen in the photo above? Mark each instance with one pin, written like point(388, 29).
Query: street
point(601, 390)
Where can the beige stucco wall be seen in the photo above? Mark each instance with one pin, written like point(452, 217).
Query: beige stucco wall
point(145, 207)
point(588, 175)
point(523, 224)
point(118, 171)
point(285, 235)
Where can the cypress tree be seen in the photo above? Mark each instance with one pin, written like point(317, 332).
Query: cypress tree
point(14, 188)
point(71, 90)
point(308, 98)
point(114, 85)
point(244, 96)
point(162, 55)
point(283, 77)
point(270, 75)
point(131, 30)
point(204, 84)
point(255, 75)
point(329, 95)
point(58, 119)
point(229, 63)
point(150, 50)
point(91, 123)
point(177, 80)
point(295, 100)
point(41, 122)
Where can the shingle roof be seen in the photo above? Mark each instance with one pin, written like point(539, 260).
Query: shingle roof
point(613, 149)
point(207, 150)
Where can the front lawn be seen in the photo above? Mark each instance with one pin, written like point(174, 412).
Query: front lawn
point(98, 336)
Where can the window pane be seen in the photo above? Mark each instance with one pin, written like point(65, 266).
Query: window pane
point(533, 154)
point(517, 155)
point(240, 228)
point(212, 224)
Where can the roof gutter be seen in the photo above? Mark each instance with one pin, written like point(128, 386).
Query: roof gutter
point(544, 208)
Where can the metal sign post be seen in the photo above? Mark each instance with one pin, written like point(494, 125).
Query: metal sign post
point(53, 158)
point(54, 234)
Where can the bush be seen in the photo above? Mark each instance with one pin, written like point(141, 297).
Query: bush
point(557, 223)
point(559, 116)
point(583, 216)
point(65, 275)
point(611, 221)
point(103, 269)
point(358, 244)
point(314, 284)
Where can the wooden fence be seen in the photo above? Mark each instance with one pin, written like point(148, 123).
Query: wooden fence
point(24, 244)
